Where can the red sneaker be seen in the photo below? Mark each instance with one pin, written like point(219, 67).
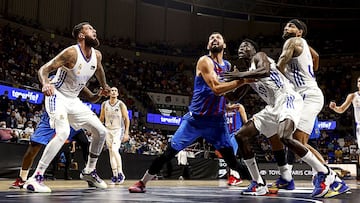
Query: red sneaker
point(138, 187)
point(18, 184)
point(232, 181)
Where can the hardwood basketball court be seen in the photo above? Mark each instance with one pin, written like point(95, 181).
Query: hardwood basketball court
point(166, 191)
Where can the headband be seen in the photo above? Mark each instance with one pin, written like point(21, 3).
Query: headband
point(297, 24)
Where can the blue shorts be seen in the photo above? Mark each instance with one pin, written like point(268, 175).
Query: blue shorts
point(43, 134)
point(213, 129)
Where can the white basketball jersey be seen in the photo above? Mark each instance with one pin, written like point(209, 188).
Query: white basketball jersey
point(356, 105)
point(269, 88)
point(113, 115)
point(300, 70)
point(71, 81)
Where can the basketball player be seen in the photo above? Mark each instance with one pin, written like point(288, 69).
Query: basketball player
point(42, 136)
point(235, 118)
point(354, 99)
point(206, 116)
point(296, 63)
point(113, 113)
point(280, 116)
point(75, 65)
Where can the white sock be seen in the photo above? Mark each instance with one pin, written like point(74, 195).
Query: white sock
point(312, 161)
point(24, 174)
point(91, 165)
point(40, 169)
point(147, 177)
point(285, 172)
point(254, 170)
point(290, 166)
point(115, 172)
point(50, 151)
point(235, 173)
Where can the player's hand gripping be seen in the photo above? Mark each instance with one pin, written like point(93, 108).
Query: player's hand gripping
point(48, 89)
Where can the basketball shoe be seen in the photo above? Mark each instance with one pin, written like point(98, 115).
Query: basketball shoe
point(233, 181)
point(255, 189)
point(36, 184)
point(18, 184)
point(93, 178)
point(138, 187)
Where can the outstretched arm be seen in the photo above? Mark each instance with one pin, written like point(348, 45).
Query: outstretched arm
point(261, 70)
point(344, 106)
point(205, 68)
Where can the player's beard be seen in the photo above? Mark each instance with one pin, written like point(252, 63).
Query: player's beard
point(287, 35)
point(91, 42)
point(216, 49)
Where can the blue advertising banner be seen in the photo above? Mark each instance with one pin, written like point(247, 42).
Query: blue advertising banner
point(14, 93)
point(327, 125)
point(164, 120)
point(38, 97)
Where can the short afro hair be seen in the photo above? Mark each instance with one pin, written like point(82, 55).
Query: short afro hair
point(254, 44)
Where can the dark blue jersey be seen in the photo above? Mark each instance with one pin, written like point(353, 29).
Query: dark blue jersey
point(234, 121)
point(204, 102)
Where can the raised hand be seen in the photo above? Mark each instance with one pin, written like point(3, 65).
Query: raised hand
point(106, 91)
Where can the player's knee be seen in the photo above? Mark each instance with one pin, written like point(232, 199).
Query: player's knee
point(114, 150)
point(62, 135)
point(244, 134)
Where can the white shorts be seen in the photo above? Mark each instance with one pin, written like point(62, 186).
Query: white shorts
point(313, 103)
point(113, 138)
point(287, 106)
point(65, 112)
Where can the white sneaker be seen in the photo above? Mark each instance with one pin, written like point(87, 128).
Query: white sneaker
point(114, 180)
point(93, 178)
point(256, 189)
point(121, 179)
point(36, 184)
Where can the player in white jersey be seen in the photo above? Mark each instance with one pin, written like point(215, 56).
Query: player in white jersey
point(75, 65)
point(354, 99)
point(114, 114)
point(279, 117)
point(296, 62)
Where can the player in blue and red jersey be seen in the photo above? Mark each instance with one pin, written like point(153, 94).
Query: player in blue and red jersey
point(235, 118)
point(206, 116)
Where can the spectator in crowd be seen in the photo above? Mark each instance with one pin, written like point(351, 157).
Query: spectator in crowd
point(11, 121)
point(4, 101)
point(29, 130)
